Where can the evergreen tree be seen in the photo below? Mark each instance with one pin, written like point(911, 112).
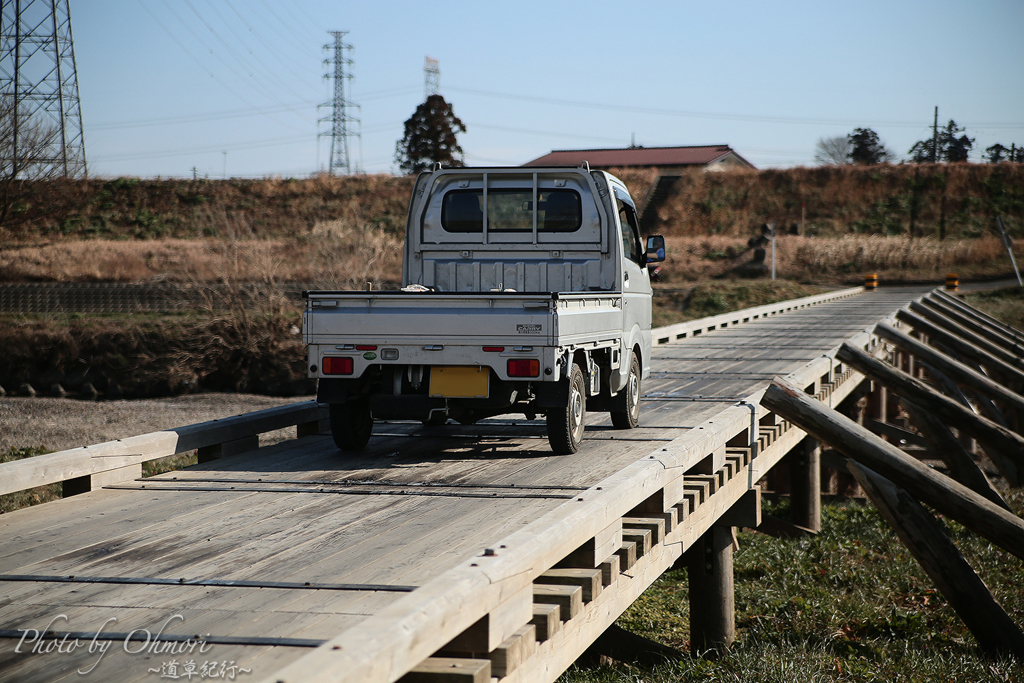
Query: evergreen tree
point(430, 137)
point(867, 149)
point(950, 147)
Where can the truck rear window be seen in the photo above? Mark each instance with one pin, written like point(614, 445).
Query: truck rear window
point(511, 211)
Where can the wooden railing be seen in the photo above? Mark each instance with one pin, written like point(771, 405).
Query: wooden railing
point(88, 467)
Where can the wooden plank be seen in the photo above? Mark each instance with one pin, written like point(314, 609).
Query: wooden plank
point(627, 555)
point(547, 620)
point(510, 655)
point(87, 460)
point(655, 525)
point(587, 579)
point(496, 626)
point(927, 541)
point(609, 570)
point(640, 537)
point(568, 598)
point(449, 670)
point(937, 490)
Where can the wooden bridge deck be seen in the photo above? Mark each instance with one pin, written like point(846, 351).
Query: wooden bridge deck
point(293, 562)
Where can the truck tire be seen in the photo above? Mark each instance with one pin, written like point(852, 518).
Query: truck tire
point(351, 425)
point(626, 411)
point(566, 425)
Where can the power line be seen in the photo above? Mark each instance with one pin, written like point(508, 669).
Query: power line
point(700, 114)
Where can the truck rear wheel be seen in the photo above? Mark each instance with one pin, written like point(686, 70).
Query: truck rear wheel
point(351, 425)
point(626, 413)
point(565, 425)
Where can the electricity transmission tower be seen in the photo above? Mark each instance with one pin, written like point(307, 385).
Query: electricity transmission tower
point(339, 118)
point(431, 77)
point(39, 107)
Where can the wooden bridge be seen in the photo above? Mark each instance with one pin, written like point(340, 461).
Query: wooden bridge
point(455, 553)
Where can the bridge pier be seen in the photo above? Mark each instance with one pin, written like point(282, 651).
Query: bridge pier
point(711, 588)
point(805, 484)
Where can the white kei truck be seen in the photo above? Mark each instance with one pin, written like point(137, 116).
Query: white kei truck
point(526, 291)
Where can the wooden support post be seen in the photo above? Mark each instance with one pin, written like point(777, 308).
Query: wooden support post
point(946, 495)
point(222, 450)
point(91, 482)
point(991, 435)
point(954, 369)
point(805, 484)
point(926, 539)
point(963, 347)
point(712, 597)
point(959, 461)
point(314, 428)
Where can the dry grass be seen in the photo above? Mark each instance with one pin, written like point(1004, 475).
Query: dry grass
point(955, 200)
point(335, 252)
point(341, 254)
point(837, 259)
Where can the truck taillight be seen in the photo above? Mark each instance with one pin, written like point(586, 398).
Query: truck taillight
point(523, 367)
point(366, 347)
point(333, 365)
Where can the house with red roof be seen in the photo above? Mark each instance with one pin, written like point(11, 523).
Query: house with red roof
point(667, 160)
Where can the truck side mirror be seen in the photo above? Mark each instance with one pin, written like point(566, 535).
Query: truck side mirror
point(655, 249)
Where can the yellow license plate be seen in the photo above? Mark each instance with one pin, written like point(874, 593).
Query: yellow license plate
point(459, 381)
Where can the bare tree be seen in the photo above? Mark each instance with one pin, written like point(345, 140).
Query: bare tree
point(26, 156)
point(831, 151)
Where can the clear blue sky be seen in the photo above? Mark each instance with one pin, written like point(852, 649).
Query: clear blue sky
point(170, 85)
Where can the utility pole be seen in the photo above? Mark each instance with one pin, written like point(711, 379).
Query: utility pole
point(431, 77)
point(39, 90)
point(935, 137)
point(339, 118)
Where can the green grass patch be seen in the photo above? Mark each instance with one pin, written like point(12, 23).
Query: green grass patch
point(850, 604)
point(713, 297)
point(1006, 304)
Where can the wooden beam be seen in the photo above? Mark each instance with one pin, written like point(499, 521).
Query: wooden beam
point(995, 336)
point(979, 315)
point(113, 455)
point(956, 370)
point(939, 318)
point(901, 436)
point(927, 541)
point(450, 670)
point(961, 346)
point(960, 463)
point(992, 435)
point(946, 495)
